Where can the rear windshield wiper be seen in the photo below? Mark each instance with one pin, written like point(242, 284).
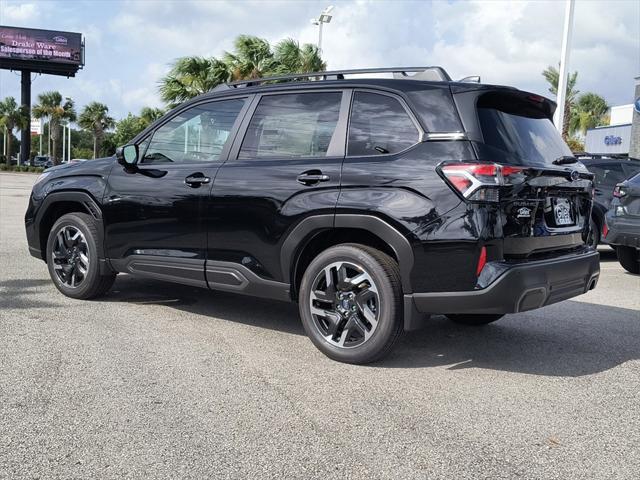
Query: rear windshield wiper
point(565, 159)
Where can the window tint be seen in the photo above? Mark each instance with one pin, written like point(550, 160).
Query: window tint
point(195, 135)
point(608, 173)
point(520, 138)
point(379, 124)
point(631, 168)
point(292, 125)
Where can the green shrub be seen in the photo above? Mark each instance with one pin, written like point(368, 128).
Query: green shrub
point(21, 168)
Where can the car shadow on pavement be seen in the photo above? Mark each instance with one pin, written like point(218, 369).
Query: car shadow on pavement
point(567, 339)
point(17, 293)
point(243, 309)
point(607, 255)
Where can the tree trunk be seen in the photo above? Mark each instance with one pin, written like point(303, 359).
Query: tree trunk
point(54, 156)
point(8, 148)
point(566, 120)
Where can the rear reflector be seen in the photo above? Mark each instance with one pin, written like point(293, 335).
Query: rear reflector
point(482, 261)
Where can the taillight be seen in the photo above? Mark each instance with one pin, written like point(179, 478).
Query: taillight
point(605, 230)
point(619, 191)
point(479, 181)
point(482, 260)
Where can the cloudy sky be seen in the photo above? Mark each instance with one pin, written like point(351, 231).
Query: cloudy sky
point(130, 44)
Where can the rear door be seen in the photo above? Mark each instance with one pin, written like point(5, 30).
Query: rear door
point(285, 165)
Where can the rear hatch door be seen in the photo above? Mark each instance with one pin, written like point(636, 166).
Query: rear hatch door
point(546, 194)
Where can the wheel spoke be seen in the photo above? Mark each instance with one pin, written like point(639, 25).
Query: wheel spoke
point(352, 326)
point(330, 281)
point(342, 275)
point(84, 260)
point(359, 279)
point(68, 241)
point(61, 241)
point(332, 319)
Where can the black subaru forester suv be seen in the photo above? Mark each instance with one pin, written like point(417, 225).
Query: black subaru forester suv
point(371, 202)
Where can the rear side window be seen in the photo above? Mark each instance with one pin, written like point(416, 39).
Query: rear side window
point(607, 174)
point(516, 131)
point(631, 168)
point(292, 125)
point(379, 124)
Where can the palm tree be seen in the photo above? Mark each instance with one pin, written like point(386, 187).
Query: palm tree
point(589, 111)
point(50, 106)
point(95, 119)
point(148, 115)
point(252, 57)
point(290, 57)
point(190, 77)
point(552, 76)
point(12, 116)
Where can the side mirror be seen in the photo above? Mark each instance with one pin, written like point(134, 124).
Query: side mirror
point(127, 155)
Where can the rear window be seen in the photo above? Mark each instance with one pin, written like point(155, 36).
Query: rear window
point(379, 124)
point(519, 134)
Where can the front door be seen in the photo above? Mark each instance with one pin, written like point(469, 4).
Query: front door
point(154, 211)
point(285, 165)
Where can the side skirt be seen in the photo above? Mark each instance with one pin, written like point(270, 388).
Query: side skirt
point(224, 276)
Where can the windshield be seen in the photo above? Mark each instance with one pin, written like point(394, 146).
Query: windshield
point(520, 139)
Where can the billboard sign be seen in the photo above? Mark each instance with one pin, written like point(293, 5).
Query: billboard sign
point(44, 51)
point(36, 126)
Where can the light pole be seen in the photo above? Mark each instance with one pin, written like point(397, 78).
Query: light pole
point(564, 64)
point(325, 17)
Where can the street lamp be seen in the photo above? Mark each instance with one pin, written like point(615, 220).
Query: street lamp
point(325, 17)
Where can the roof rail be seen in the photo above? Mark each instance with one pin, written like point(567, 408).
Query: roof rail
point(437, 74)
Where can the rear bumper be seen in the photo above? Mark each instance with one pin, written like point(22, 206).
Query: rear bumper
point(520, 287)
point(623, 231)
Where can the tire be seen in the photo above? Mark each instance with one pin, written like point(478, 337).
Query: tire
point(594, 235)
point(475, 320)
point(364, 323)
point(76, 274)
point(629, 258)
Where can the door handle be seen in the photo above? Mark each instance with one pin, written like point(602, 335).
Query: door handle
point(312, 177)
point(196, 180)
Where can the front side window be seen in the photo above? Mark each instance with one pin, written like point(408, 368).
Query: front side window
point(379, 124)
point(292, 125)
point(196, 135)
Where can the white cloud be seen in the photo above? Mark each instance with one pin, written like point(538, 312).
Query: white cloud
point(130, 44)
point(11, 14)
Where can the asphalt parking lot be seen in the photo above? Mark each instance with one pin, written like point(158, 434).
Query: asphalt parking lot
point(163, 381)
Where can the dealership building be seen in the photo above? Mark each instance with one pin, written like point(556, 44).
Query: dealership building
point(621, 138)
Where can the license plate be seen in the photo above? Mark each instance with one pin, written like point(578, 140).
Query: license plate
point(562, 211)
